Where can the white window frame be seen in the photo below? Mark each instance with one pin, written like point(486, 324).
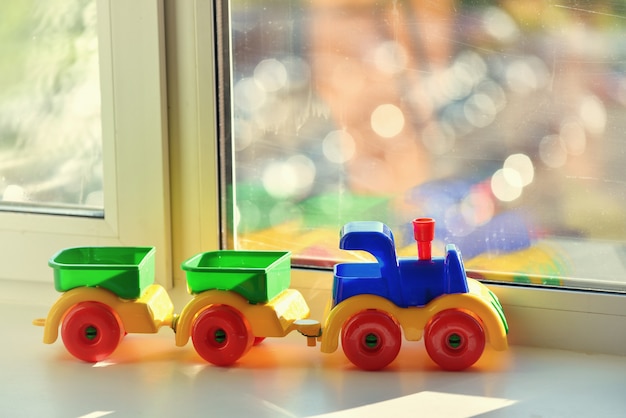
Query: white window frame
point(135, 153)
point(193, 152)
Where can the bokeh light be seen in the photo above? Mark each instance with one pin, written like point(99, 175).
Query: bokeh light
point(249, 96)
point(500, 24)
point(286, 179)
point(523, 166)
point(390, 57)
point(338, 146)
point(493, 91)
point(552, 151)
point(506, 184)
point(527, 74)
point(387, 120)
point(480, 110)
point(270, 75)
point(574, 137)
point(592, 112)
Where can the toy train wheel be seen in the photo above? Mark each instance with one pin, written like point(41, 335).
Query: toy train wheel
point(454, 339)
point(91, 331)
point(221, 335)
point(371, 339)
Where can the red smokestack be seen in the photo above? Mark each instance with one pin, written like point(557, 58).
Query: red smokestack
point(424, 233)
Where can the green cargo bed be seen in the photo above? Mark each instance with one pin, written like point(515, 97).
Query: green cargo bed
point(126, 271)
point(258, 276)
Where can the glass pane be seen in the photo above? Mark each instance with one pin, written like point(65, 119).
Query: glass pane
point(503, 120)
point(50, 126)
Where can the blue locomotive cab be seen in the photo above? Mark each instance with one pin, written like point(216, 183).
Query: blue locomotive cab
point(407, 281)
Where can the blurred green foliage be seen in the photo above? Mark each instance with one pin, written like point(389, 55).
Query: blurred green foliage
point(16, 27)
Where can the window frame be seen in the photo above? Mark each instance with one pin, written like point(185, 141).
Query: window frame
point(136, 182)
point(192, 116)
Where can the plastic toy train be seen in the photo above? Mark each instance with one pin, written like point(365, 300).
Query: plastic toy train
point(242, 297)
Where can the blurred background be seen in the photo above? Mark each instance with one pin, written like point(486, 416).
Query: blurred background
point(50, 125)
point(503, 120)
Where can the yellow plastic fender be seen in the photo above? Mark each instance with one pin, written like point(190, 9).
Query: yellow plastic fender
point(147, 314)
point(413, 320)
point(276, 318)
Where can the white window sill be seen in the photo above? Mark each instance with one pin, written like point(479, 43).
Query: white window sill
point(148, 375)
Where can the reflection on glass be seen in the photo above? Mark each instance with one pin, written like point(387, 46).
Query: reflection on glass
point(503, 120)
point(50, 126)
